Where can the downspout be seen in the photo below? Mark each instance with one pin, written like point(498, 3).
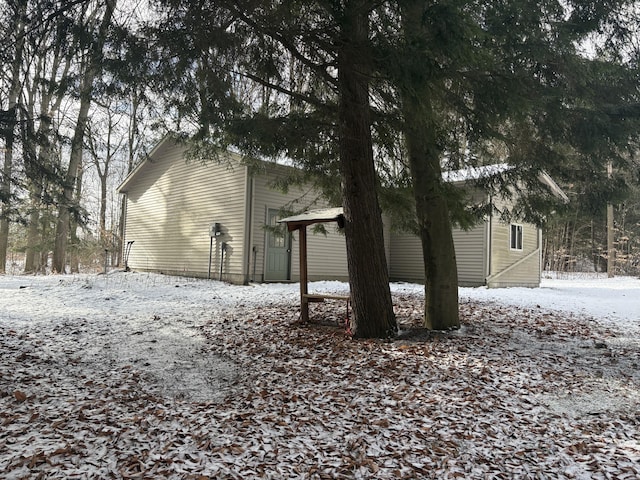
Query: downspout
point(489, 227)
point(123, 226)
point(540, 257)
point(248, 227)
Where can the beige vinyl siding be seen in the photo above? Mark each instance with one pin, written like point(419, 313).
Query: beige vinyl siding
point(407, 261)
point(406, 258)
point(386, 232)
point(471, 248)
point(170, 207)
point(509, 267)
point(327, 258)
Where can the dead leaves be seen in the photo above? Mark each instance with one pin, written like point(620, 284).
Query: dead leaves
point(20, 396)
point(312, 403)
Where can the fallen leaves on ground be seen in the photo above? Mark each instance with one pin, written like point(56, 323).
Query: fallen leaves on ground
point(513, 394)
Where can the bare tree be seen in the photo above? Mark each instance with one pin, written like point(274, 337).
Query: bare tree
point(104, 143)
point(51, 49)
point(90, 68)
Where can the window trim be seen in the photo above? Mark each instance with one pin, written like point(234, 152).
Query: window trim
point(518, 240)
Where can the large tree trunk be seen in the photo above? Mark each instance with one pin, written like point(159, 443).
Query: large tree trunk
point(432, 211)
point(9, 134)
point(435, 230)
point(74, 258)
point(373, 315)
point(66, 202)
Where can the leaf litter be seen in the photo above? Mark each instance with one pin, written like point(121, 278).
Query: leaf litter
point(145, 376)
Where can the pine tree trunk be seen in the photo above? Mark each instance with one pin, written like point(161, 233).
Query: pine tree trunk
point(432, 211)
point(373, 315)
point(435, 230)
point(6, 203)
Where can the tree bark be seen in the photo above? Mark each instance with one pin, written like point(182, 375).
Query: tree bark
point(435, 230)
point(33, 232)
point(74, 258)
point(432, 211)
point(9, 134)
point(611, 249)
point(373, 315)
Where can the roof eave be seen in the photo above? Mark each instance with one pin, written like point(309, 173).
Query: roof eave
point(545, 178)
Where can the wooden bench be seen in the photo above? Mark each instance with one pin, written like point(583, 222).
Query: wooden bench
point(321, 297)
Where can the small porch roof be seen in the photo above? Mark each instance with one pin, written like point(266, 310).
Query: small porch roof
point(310, 217)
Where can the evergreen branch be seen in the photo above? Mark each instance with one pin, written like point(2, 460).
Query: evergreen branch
point(285, 40)
point(296, 95)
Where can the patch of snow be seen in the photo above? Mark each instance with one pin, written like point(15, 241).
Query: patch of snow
point(132, 375)
point(612, 301)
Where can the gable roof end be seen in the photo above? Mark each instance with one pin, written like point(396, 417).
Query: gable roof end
point(124, 186)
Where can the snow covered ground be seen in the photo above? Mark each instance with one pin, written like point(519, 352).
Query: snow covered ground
point(133, 375)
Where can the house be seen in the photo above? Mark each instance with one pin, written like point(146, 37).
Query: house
point(493, 253)
point(219, 220)
point(209, 220)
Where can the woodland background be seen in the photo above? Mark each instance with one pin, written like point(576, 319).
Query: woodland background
point(88, 87)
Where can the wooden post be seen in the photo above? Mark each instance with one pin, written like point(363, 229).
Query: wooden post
point(611, 249)
point(304, 289)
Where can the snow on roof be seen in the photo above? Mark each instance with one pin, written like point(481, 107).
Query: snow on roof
point(475, 173)
point(545, 178)
point(485, 171)
point(315, 216)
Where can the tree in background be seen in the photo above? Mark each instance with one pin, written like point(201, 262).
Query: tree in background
point(266, 42)
point(576, 235)
point(47, 73)
point(12, 83)
point(93, 44)
point(484, 83)
point(56, 39)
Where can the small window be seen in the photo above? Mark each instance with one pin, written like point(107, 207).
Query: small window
point(515, 238)
point(276, 236)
